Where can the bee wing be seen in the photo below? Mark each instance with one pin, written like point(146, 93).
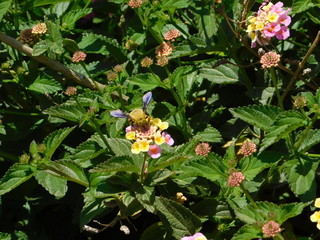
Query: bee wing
point(119, 114)
point(146, 100)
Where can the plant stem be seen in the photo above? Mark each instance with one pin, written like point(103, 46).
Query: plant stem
point(275, 83)
point(143, 167)
point(89, 75)
point(9, 156)
point(248, 196)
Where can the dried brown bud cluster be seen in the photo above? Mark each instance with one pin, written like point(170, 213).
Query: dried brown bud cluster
point(172, 34)
point(111, 76)
point(31, 36)
point(130, 45)
point(300, 102)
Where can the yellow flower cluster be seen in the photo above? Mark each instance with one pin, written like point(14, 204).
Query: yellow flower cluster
point(146, 135)
point(315, 217)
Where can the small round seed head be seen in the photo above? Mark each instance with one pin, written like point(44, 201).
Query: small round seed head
point(271, 229)
point(162, 61)
point(270, 59)
point(135, 3)
point(203, 149)
point(180, 197)
point(300, 102)
point(172, 34)
point(27, 37)
point(235, 179)
point(118, 68)
point(70, 91)
point(164, 49)
point(146, 62)
point(39, 29)
point(78, 56)
point(130, 45)
point(248, 148)
point(111, 76)
point(24, 158)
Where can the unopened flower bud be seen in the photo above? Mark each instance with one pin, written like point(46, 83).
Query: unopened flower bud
point(146, 62)
point(270, 59)
point(271, 229)
point(118, 68)
point(203, 149)
point(71, 91)
point(39, 29)
point(78, 56)
point(111, 76)
point(235, 179)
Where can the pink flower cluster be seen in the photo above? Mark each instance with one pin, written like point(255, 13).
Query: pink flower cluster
point(271, 21)
point(197, 236)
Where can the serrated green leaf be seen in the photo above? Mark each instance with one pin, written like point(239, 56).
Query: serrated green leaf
point(301, 177)
point(38, 3)
point(92, 208)
point(4, 7)
point(155, 231)
point(41, 47)
point(206, 21)
point(69, 20)
point(146, 81)
point(209, 167)
point(54, 139)
point(284, 123)
point(71, 113)
point(67, 169)
point(257, 115)
point(301, 5)
point(210, 134)
point(223, 74)
point(44, 84)
point(312, 139)
point(248, 232)
point(180, 72)
point(192, 45)
point(93, 43)
point(145, 195)
point(116, 164)
point(16, 175)
point(166, 161)
point(180, 220)
point(169, 4)
point(56, 186)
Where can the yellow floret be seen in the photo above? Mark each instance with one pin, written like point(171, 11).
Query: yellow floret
point(144, 146)
point(259, 26)
point(317, 203)
point(131, 135)
point(163, 125)
point(158, 139)
point(315, 217)
point(272, 17)
point(136, 148)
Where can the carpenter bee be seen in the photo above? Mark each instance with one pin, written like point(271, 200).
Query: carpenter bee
point(137, 116)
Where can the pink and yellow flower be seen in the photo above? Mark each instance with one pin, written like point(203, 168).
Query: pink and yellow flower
point(197, 236)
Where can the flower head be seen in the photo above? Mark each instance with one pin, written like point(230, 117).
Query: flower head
point(154, 151)
point(70, 91)
point(111, 76)
point(315, 217)
point(78, 56)
point(203, 149)
point(270, 59)
point(247, 148)
point(162, 61)
point(39, 29)
point(118, 68)
point(197, 236)
point(135, 3)
point(300, 102)
point(271, 229)
point(271, 20)
point(146, 62)
point(235, 179)
point(164, 49)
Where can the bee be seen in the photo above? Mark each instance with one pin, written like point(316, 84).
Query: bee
point(138, 116)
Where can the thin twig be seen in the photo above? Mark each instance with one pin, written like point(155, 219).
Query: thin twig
point(301, 66)
point(69, 73)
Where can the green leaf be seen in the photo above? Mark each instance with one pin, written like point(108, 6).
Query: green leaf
point(248, 232)
point(38, 3)
point(223, 74)
point(193, 45)
point(145, 195)
point(301, 176)
point(94, 43)
point(71, 113)
point(16, 175)
point(69, 20)
point(179, 73)
point(155, 231)
point(67, 169)
point(312, 139)
point(146, 81)
point(92, 208)
point(257, 115)
point(45, 84)
point(4, 7)
point(54, 139)
point(210, 134)
point(210, 167)
point(284, 123)
point(166, 161)
point(56, 186)
point(41, 47)
point(180, 220)
point(206, 21)
point(301, 5)
point(116, 164)
point(169, 4)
